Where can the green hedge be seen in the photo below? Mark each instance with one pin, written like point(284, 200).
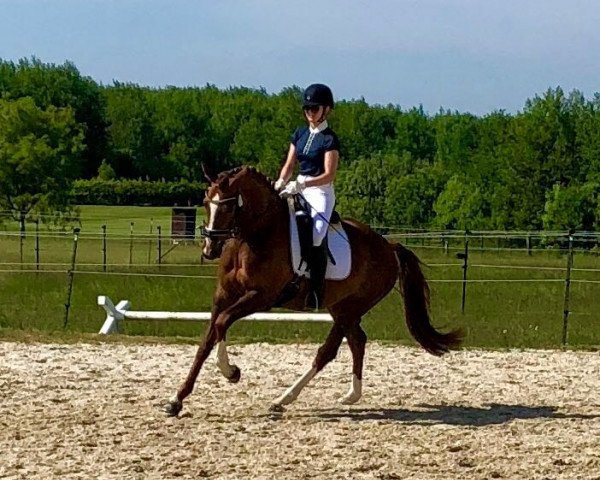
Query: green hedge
point(137, 192)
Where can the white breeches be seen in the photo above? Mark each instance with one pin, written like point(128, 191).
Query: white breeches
point(322, 201)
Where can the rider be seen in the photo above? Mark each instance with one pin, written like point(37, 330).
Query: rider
point(316, 148)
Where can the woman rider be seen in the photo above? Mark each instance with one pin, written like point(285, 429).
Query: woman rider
point(316, 148)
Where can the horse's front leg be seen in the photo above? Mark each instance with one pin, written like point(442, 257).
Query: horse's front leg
point(248, 303)
point(230, 372)
point(175, 403)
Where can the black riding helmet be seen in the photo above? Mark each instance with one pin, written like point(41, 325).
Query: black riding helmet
point(316, 95)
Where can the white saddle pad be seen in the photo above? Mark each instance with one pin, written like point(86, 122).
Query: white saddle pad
point(338, 243)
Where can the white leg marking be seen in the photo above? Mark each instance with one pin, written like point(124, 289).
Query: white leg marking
point(223, 360)
point(292, 393)
point(355, 392)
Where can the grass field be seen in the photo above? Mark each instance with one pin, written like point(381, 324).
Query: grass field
point(513, 299)
point(118, 220)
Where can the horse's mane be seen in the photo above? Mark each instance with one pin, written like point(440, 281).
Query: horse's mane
point(254, 174)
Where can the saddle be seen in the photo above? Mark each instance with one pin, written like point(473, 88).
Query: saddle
point(301, 231)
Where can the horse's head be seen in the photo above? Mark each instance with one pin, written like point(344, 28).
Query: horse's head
point(236, 203)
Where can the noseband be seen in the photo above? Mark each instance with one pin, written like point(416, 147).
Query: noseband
point(224, 233)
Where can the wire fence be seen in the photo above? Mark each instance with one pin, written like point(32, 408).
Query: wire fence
point(162, 255)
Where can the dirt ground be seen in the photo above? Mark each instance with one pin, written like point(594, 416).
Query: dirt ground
point(92, 411)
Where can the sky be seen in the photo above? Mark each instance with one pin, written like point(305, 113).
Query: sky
point(473, 56)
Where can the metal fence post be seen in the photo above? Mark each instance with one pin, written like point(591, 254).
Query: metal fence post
point(104, 248)
point(567, 290)
point(150, 240)
point(159, 246)
point(444, 243)
point(21, 236)
point(37, 244)
point(131, 244)
point(71, 275)
point(465, 258)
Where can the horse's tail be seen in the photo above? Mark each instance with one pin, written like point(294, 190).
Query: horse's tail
point(415, 291)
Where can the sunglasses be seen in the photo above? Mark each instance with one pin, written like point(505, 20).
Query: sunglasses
point(311, 108)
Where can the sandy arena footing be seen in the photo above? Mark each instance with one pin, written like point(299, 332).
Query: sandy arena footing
point(92, 411)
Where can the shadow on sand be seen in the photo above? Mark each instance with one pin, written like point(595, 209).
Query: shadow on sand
point(491, 414)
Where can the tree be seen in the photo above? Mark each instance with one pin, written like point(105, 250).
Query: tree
point(361, 188)
point(61, 86)
point(409, 198)
point(363, 129)
point(40, 156)
point(415, 135)
point(106, 172)
point(132, 139)
point(546, 137)
point(180, 122)
point(461, 206)
point(588, 138)
point(455, 138)
point(575, 206)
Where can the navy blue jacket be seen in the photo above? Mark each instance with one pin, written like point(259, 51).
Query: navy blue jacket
point(312, 158)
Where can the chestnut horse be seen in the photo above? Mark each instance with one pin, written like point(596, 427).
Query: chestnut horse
point(248, 228)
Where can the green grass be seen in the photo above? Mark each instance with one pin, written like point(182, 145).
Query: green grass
point(498, 314)
point(118, 221)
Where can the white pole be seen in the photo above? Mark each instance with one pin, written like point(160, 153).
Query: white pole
point(121, 311)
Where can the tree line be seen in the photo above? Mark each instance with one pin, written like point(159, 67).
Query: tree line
point(535, 169)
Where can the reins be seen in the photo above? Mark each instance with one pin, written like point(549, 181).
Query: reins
point(234, 231)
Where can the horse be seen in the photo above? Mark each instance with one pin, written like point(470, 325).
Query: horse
point(248, 229)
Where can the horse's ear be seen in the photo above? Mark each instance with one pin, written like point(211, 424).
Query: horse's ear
point(207, 173)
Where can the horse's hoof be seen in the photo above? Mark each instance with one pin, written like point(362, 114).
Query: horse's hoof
point(173, 407)
point(235, 376)
point(276, 408)
point(349, 400)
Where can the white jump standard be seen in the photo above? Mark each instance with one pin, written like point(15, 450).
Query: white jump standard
point(117, 314)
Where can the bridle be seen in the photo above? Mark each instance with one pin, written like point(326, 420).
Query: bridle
point(224, 233)
point(234, 231)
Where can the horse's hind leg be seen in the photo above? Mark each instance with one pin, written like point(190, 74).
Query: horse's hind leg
point(326, 353)
point(357, 339)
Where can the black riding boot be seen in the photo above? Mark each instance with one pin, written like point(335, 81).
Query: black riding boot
point(317, 265)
